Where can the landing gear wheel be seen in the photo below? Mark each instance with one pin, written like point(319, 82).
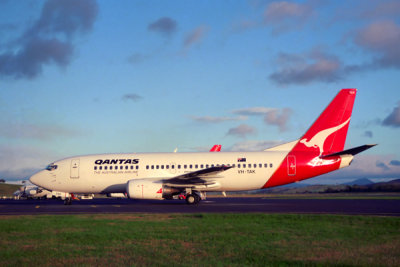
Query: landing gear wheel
point(192, 199)
point(68, 201)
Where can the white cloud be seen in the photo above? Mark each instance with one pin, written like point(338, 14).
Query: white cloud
point(253, 111)
point(279, 118)
point(383, 39)
point(272, 116)
point(305, 68)
point(195, 36)
point(211, 119)
point(393, 119)
point(242, 130)
point(284, 16)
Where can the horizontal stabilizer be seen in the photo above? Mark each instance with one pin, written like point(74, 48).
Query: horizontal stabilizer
point(351, 151)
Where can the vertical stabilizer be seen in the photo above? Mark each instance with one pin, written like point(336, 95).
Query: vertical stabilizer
point(326, 136)
point(329, 131)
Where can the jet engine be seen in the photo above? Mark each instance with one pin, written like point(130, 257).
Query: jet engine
point(148, 189)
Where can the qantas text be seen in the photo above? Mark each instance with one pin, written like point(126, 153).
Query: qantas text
point(116, 161)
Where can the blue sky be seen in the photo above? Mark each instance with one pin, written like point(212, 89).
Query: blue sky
point(84, 77)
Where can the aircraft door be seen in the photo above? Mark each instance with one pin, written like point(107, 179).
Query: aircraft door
point(75, 168)
point(291, 165)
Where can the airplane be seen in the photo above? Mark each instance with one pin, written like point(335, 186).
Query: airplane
point(164, 175)
point(215, 148)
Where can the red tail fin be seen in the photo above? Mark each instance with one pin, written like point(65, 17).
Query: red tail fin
point(326, 136)
point(329, 131)
point(215, 148)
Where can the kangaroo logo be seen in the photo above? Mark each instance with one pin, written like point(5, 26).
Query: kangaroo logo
point(319, 139)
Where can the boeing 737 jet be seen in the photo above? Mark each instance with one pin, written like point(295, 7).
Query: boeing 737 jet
point(164, 175)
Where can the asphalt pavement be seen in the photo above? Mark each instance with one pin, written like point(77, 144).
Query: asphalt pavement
point(380, 207)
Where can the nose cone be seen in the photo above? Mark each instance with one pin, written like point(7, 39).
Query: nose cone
point(39, 179)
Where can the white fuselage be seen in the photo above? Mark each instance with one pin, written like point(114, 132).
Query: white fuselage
point(109, 173)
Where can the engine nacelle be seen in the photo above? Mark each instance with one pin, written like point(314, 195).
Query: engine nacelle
point(32, 192)
point(148, 189)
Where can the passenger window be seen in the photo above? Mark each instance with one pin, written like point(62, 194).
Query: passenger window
point(172, 166)
point(249, 165)
point(121, 167)
point(190, 166)
point(167, 167)
point(126, 167)
point(162, 167)
point(270, 165)
point(255, 165)
point(207, 166)
point(239, 165)
point(100, 168)
point(157, 167)
point(137, 167)
point(266, 165)
point(196, 166)
point(260, 165)
point(147, 167)
point(179, 166)
point(95, 167)
point(233, 165)
point(152, 167)
point(185, 166)
point(105, 167)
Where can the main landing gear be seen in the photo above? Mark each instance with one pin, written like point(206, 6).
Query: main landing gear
point(68, 201)
point(192, 199)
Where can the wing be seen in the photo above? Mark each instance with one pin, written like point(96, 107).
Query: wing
point(200, 177)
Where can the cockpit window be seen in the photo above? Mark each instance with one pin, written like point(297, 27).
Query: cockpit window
point(51, 167)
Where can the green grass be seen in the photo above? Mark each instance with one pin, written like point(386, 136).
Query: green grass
point(199, 240)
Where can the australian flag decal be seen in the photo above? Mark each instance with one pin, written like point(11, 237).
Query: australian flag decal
point(241, 159)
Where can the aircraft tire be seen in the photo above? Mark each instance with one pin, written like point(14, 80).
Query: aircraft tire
point(67, 201)
point(192, 199)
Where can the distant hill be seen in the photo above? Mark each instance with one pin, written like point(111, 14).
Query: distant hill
point(362, 181)
point(360, 185)
point(397, 181)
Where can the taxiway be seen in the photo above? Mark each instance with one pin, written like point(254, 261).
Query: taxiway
point(380, 207)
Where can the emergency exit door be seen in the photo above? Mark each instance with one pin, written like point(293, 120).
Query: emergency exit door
point(75, 168)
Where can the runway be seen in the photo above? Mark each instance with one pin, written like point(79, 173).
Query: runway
point(376, 207)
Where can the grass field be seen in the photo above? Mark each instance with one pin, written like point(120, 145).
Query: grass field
point(199, 240)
